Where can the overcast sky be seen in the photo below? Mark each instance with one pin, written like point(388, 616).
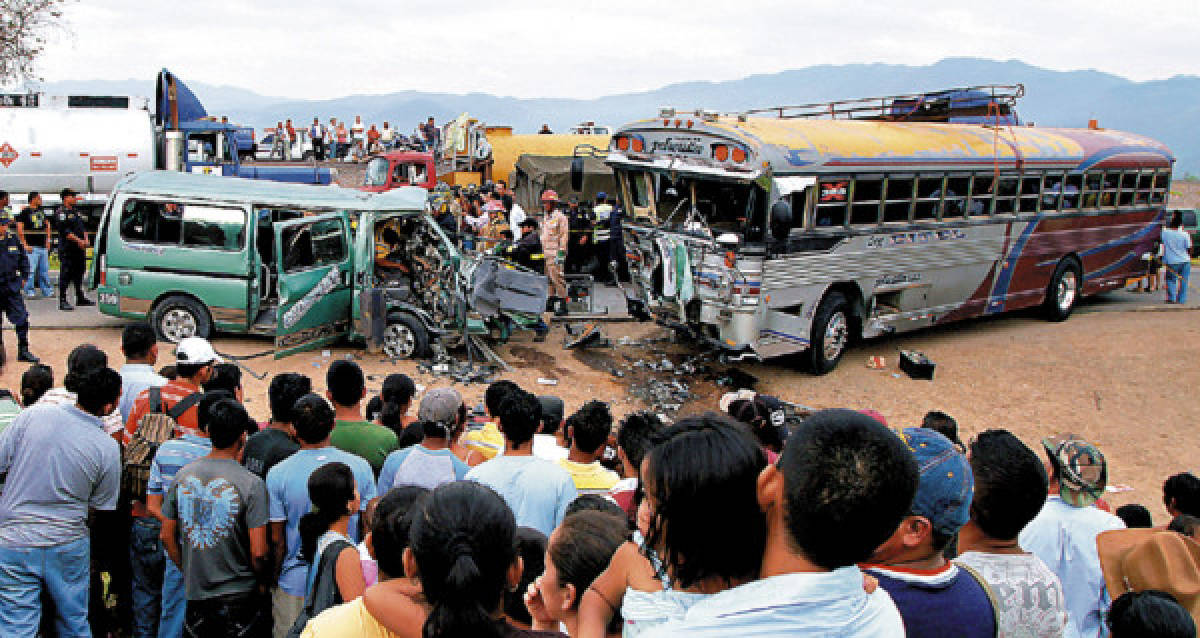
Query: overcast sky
point(580, 48)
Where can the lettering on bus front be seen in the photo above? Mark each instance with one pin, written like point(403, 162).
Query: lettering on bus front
point(679, 145)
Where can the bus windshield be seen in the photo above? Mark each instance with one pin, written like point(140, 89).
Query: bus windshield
point(724, 206)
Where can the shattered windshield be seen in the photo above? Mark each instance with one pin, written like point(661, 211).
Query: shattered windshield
point(377, 172)
point(725, 206)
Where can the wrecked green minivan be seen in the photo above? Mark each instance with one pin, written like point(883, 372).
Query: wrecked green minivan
point(306, 265)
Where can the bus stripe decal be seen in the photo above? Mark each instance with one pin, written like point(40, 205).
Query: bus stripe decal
point(1004, 277)
point(1111, 267)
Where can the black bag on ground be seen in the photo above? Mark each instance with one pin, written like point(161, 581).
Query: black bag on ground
point(324, 592)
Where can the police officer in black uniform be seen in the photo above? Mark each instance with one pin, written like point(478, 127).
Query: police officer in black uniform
point(14, 268)
point(72, 250)
point(527, 251)
point(580, 247)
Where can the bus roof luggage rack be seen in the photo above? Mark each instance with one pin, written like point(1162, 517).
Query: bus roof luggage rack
point(968, 104)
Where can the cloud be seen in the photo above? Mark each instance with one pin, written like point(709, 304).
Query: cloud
point(583, 49)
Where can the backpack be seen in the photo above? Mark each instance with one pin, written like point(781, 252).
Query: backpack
point(324, 592)
point(153, 429)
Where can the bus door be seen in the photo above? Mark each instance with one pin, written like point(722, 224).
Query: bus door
point(315, 270)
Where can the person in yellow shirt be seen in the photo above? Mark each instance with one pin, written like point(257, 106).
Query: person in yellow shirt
point(588, 431)
point(484, 444)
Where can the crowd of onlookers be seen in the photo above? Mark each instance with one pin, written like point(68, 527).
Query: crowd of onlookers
point(147, 502)
point(345, 140)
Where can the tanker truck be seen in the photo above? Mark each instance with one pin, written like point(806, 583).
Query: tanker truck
point(88, 143)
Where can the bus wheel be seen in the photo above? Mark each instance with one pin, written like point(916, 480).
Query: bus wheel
point(405, 338)
point(1064, 290)
point(177, 317)
point(830, 334)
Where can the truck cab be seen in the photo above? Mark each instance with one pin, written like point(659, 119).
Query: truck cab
point(400, 168)
point(305, 265)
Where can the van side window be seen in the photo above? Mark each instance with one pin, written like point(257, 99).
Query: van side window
point(319, 243)
point(151, 222)
point(215, 228)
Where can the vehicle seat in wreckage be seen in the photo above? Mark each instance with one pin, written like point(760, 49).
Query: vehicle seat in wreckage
point(498, 285)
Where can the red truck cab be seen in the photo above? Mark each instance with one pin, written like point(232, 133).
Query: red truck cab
point(400, 168)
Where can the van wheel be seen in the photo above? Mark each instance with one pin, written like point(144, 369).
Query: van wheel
point(177, 317)
point(830, 334)
point(1064, 290)
point(405, 338)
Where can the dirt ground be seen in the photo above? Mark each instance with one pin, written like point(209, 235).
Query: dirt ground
point(1125, 380)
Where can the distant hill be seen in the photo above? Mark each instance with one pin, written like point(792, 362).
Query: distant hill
point(1168, 110)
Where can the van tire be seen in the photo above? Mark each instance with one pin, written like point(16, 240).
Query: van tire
point(1062, 295)
point(405, 337)
point(178, 317)
point(832, 317)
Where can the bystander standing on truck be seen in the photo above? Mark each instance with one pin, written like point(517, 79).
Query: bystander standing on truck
point(34, 231)
point(387, 137)
point(316, 133)
point(277, 144)
point(289, 140)
point(72, 250)
point(14, 268)
point(333, 138)
point(359, 133)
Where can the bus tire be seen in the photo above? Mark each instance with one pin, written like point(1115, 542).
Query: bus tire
point(405, 338)
point(830, 334)
point(1064, 290)
point(178, 317)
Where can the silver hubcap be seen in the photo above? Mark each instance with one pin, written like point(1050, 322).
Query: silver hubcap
point(178, 324)
point(835, 336)
point(399, 342)
point(1066, 290)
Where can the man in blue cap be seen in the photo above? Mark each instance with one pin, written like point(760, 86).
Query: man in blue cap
point(935, 597)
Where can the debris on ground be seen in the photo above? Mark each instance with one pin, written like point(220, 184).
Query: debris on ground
point(545, 381)
point(737, 379)
point(589, 337)
point(462, 372)
point(876, 363)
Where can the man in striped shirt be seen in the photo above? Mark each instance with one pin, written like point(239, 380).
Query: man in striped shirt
point(152, 573)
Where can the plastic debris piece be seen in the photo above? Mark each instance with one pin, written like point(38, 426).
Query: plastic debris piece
point(545, 381)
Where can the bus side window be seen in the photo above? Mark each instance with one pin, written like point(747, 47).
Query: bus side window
point(929, 197)
point(954, 203)
point(1031, 191)
point(1161, 180)
point(1006, 194)
point(831, 204)
point(981, 196)
point(1112, 184)
point(1145, 187)
point(1093, 182)
point(1129, 180)
point(866, 197)
point(899, 199)
point(1071, 192)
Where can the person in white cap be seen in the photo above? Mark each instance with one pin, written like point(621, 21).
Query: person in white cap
point(158, 598)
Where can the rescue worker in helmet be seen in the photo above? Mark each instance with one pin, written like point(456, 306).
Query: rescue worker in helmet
point(554, 236)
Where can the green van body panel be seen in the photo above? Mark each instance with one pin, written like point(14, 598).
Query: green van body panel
point(133, 272)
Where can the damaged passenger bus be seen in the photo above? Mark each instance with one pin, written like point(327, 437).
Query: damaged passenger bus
point(306, 265)
point(801, 229)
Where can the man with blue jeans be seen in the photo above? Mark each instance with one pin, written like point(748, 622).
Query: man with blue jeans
point(287, 491)
point(60, 465)
point(1177, 257)
point(158, 599)
point(34, 230)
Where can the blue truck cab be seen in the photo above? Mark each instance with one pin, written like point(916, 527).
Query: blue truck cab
point(187, 140)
